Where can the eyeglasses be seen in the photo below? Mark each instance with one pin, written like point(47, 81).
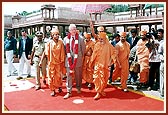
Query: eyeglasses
point(39, 36)
point(39, 33)
point(55, 34)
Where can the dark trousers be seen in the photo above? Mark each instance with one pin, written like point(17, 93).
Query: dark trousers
point(132, 76)
point(111, 73)
point(154, 73)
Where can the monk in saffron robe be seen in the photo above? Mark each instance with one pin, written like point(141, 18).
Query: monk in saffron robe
point(122, 63)
point(102, 58)
point(88, 75)
point(55, 53)
point(143, 58)
point(99, 30)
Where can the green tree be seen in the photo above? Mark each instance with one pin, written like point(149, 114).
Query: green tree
point(115, 8)
point(24, 13)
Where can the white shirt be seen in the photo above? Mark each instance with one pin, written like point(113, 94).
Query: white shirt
point(24, 43)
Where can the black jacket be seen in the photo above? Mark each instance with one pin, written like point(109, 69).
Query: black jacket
point(28, 47)
point(129, 40)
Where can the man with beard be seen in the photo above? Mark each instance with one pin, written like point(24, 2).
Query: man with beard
point(143, 58)
point(122, 65)
point(55, 54)
point(103, 56)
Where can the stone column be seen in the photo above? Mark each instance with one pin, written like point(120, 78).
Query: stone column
point(45, 13)
point(131, 12)
point(44, 29)
point(150, 25)
point(63, 27)
point(156, 9)
point(42, 13)
point(49, 14)
point(163, 19)
point(53, 14)
point(155, 26)
point(114, 29)
point(125, 28)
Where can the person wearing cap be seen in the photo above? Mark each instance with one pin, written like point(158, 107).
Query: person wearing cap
point(122, 65)
point(55, 54)
point(88, 75)
point(142, 53)
point(103, 56)
point(10, 52)
point(24, 54)
point(75, 49)
point(37, 50)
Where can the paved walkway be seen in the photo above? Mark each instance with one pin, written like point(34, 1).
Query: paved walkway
point(153, 94)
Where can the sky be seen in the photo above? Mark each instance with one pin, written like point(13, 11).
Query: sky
point(10, 8)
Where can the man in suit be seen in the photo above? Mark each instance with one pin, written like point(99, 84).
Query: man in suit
point(75, 49)
point(24, 54)
point(134, 39)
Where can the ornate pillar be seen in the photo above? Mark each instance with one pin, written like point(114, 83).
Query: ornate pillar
point(156, 9)
point(150, 10)
point(155, 26)
point(95, 16)
point(45, 13)
point(136, 12)
point(44, 29)
point(131, 12)
point(42, 13)
point(125, 28)
point(141, 9)
point(49, 13)
point(53, 14)
point(163, 19)
point(114, 29)
point(150, 25)
point(64, 34)
point(100, 16)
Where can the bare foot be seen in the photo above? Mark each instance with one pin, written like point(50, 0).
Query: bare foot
point(97, 96)
point(103, 93)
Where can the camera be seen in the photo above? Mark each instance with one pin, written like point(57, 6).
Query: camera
point(148, 35)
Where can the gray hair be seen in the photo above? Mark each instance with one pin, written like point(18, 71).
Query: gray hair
point(72, 26)
point(9, 32)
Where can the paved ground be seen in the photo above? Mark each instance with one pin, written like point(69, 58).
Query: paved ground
point(154, 94)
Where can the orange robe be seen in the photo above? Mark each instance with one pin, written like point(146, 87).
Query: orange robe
point(143, 59)
point(102, 58)
point(56, 58)
point(88, 75)
point(123, 51)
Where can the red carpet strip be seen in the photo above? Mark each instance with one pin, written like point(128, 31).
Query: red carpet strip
point(115, 100)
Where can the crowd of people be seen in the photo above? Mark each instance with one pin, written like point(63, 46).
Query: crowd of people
point(90, 57)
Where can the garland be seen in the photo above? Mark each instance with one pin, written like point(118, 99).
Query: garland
point(72, 65)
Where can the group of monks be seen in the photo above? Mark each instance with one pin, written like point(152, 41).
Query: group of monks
point(97, 59)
